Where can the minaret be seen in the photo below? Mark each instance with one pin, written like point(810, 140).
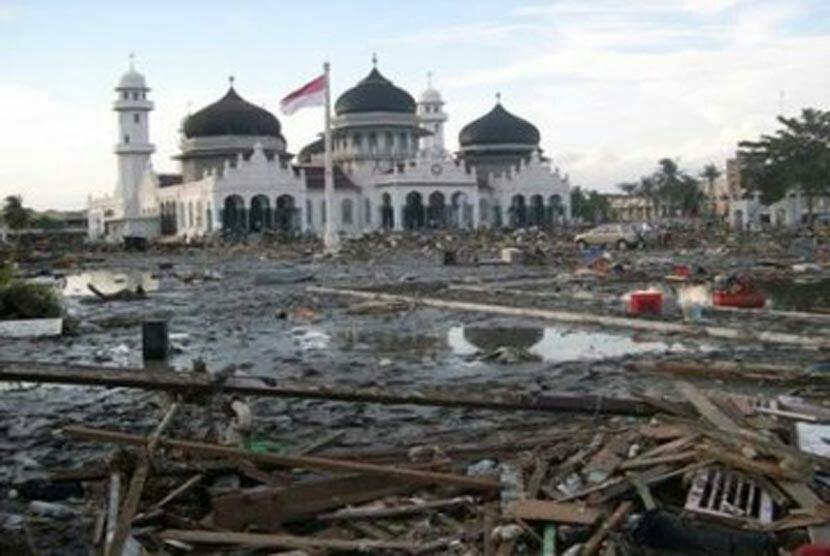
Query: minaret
point(133, 148)
point(432, 117)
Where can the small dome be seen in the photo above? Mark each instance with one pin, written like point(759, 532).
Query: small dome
point(430, 96)
point(232, 115)
point(311, 150)
point(499, 126)
point(374, 94)
point(132, 80)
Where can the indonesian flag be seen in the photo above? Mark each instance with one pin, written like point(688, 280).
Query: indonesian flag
point(312, 93)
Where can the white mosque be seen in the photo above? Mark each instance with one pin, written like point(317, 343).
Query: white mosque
point(391, 167)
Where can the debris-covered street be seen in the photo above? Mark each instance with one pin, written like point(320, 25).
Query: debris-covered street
point(418, 394)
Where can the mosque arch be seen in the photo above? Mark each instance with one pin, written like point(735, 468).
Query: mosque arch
point(461, 213)
point(556, 210)
point(413, 212)
point(387, 212)
point(518, 211)
point(536, 215)
point(260, 214)
point(285, 213)
point(437, 211)
point(233, 214)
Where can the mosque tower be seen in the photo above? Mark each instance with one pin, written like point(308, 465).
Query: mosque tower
point(133, 149)
point(432, 117)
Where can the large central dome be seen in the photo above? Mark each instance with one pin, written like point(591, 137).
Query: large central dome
point(232, 115)
point(374, 94)
point(499, 127)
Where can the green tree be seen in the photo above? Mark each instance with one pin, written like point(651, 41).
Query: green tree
point(628, 187)
point(677, 188)
point(795, 158)
point(590, 206)
point(710, 173)
point(14, 214)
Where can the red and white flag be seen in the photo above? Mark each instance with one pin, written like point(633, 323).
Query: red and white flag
point(312, 93)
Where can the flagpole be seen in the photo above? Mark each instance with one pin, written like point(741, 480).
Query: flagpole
point(330, 237)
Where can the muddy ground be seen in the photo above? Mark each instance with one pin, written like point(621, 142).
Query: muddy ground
point(247, 316)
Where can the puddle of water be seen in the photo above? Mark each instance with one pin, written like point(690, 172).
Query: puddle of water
point(387, 342)
point(552, 344)
point(792, 296)
point(108, 281)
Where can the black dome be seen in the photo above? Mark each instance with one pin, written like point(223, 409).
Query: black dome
point(231, 115)
point(499, 126)
point(310, 150)
point(374, 94)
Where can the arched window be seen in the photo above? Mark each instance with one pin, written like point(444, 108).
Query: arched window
point(199, 214)
point(356, 140)
point(388, 140)
point(323, 211)
point(136, 118)
point(127, 138)
point(373, 141)
point(309, 218)
point(346, 211)
point(367, 209)
point(190, 214)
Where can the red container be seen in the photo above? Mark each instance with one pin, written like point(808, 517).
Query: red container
point(743, 300)
point(682, 270)
point(644, 302)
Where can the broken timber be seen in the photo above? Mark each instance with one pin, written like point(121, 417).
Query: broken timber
point(305, 462)
point(191, 384)
point(663, 327)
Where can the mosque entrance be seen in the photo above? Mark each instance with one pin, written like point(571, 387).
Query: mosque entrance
point(537, 211)
point(260, 215)
point(437, 211)
point(284, 215)
point(387, 212)
point(413, 212)
point(233, 215)
point(518, 212)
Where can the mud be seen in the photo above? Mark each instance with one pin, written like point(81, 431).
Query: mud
point(223, 311)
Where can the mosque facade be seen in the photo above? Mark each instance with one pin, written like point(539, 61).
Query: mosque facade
point(392, 170)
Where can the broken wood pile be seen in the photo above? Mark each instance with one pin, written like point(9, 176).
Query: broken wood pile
point(710, 474)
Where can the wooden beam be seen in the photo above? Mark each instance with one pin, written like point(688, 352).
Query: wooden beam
point(557, 512)
point(130, 507)
point(305, 462)
point(594, 543)
point(291, 541)
point(190, 384)
point(397, 511)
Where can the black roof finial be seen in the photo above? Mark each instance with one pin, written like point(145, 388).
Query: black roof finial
point(374, 59)
point(231, 79)
point(498, 98)
point(429, 79)
point(132, 61)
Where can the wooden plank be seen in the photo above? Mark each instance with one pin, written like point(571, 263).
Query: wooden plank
point(397, 511)
point(113, 503)
point(291, 541)
point(755, 467)
point(549, 543)
point(193, 384)
point(130, 507)
point(178, 491)
point(593, 544)
point(305, 462)
point(807, 499)
point(535, 481)
point(643, 491)
point(557, 512)
point(706, 408)
point(268, 509)
point(651, 462)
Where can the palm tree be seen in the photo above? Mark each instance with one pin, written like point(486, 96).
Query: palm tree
point(710, 173)
point(627, 187)
point(14, 214)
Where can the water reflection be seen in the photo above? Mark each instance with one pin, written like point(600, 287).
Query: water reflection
point(552, 344)
point(108, 281)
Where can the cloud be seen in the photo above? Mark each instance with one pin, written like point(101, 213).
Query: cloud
point(471, 33)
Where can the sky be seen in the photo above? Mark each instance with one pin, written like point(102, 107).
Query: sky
point(612, 85)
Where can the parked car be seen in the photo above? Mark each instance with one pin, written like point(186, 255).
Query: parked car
point(621, 236)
